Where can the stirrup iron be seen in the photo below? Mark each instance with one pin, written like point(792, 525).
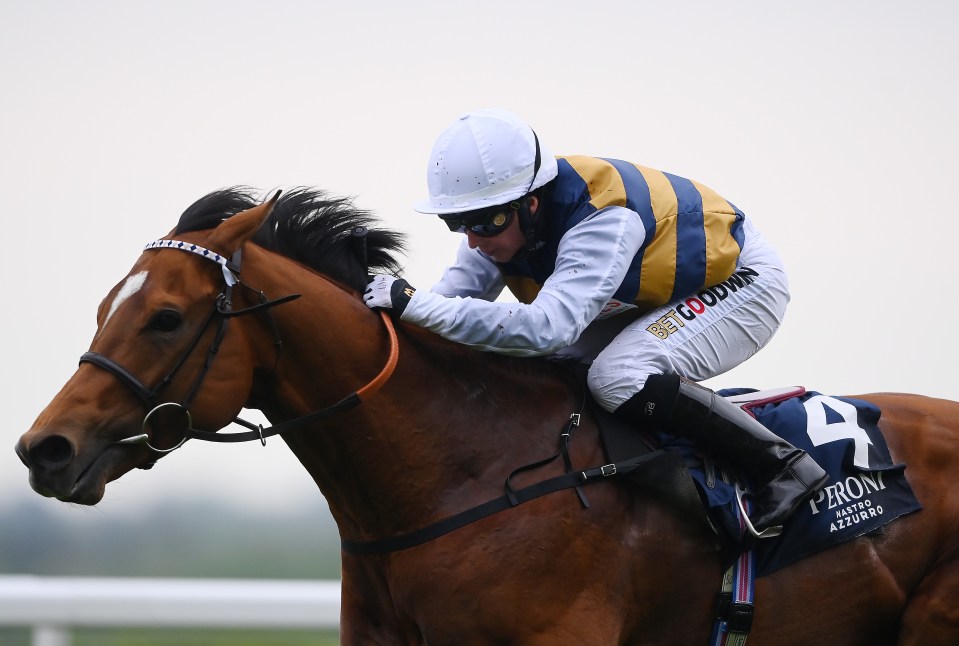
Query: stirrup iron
point(769, 532)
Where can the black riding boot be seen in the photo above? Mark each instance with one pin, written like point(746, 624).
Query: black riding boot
point(786, 476)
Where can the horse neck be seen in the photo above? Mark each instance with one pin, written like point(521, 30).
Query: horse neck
point(448, 424)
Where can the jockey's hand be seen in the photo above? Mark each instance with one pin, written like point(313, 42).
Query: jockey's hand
point(388, 292)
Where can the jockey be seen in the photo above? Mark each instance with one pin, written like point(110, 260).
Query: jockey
point(678, 284)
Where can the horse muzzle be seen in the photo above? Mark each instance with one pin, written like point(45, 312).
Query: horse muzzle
point(59, 470)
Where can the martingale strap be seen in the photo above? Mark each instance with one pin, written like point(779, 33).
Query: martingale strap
point(510, 499)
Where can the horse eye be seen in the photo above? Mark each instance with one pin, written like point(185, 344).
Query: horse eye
point(166, 321)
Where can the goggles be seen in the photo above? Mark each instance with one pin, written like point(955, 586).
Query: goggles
point(485, 223)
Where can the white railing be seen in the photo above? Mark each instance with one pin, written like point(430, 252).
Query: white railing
point(51, 606)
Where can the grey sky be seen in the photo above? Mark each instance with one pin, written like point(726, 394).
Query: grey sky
point(831, 124)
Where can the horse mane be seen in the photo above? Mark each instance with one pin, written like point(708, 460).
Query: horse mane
point(309, 226)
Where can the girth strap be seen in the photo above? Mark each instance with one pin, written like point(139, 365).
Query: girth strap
point(735, 604)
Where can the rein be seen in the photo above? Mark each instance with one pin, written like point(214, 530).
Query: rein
point(222, 312)
point(348, 402)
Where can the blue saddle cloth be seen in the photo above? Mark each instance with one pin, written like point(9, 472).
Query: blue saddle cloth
point(865, 490)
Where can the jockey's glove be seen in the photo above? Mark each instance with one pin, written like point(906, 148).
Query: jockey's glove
point(388, 292)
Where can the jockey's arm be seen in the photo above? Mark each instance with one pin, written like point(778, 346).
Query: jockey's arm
point(591, 262)
point(472, 274)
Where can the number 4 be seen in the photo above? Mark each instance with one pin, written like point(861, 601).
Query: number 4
point(821, 432)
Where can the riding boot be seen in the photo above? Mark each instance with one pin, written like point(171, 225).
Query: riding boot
point(787, 476)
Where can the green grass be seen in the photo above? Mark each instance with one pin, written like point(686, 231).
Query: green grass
point(181, 637)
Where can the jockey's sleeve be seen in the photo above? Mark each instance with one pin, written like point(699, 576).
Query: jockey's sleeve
point(591, 262)
point(471, 274)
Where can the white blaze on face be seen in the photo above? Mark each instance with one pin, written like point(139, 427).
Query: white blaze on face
point(130, 287)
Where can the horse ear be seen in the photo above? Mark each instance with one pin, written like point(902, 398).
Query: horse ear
point(237, 229)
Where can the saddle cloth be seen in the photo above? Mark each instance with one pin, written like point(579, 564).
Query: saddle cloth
point(866, 490)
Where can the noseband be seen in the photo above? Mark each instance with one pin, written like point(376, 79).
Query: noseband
point(221, 313)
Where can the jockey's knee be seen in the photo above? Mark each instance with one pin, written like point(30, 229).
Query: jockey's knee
point(612, 387)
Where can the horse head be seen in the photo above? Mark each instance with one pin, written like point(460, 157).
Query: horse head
point(148, 366)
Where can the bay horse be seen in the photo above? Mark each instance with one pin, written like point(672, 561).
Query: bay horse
point(416, 429)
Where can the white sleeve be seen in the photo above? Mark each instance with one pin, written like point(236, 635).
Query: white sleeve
point(471, 274)
point(591, 262)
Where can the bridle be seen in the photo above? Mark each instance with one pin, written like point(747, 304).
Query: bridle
point(220, 314)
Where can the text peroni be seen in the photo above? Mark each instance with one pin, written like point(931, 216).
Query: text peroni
point(848, 500)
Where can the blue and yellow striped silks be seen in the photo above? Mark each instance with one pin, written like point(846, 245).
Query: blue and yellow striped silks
point(693, 236)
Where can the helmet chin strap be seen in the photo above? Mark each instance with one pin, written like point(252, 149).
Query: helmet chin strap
point(528, 227)
point(526, 223)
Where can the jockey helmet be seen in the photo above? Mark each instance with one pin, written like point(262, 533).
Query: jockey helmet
point(485, 158)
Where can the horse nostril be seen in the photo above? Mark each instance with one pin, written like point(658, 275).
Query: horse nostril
point(52, 453)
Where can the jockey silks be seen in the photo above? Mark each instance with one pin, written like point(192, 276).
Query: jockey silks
point(693, 237)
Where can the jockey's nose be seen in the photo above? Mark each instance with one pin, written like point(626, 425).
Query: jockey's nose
point(472, 239)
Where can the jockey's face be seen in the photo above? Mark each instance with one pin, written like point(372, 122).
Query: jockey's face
point(504, 246)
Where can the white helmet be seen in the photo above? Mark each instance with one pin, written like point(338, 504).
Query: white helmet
point(484, 158)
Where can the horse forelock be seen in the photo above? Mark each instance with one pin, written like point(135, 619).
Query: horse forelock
point(309, 226)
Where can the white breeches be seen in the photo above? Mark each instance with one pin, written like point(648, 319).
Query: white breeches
point(696, 337)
